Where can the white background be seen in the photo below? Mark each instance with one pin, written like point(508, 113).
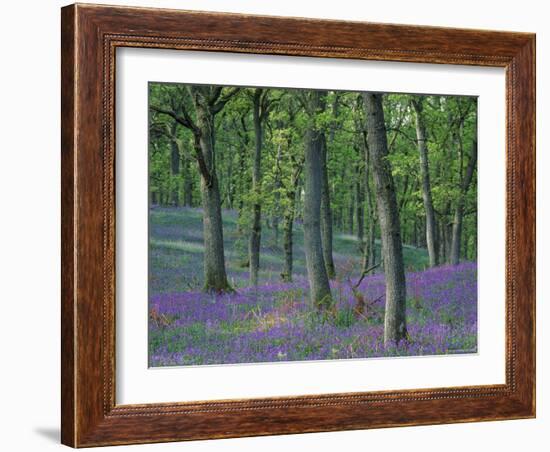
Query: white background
point(137, 384)
point(29, 229)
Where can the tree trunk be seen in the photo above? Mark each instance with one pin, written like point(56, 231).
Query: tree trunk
point(230, 184)
point(288, 225)
point(465, 243)
point(441, 238)
point(448, 237)
point(326, 212)
point(369, 259)
point(317, 275)
point(359, 208)
point(395, 328)
point(277, 196)
point(174, 166)
point(187, 184)
point(459, 211)
point(256, 229)
point(370, 245)
point(288, 222)
point(351, 209)
point(286, 274)
point(426, 188)
point(215, 277)
point(243, 185)
point(422, 232)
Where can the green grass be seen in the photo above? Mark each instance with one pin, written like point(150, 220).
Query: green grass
point(176, 243)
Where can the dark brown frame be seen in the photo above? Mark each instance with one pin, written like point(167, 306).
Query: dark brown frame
point(90, 35)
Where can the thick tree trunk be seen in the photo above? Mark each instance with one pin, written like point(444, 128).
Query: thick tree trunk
point(326, 211)
point(459, 210)
point(256, 228)
point(317, 275)
point(215, 277)
point(369, 258)
point(426, 188)
point(395, 327)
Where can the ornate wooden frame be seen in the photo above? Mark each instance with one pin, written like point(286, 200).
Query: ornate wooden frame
point(90, 35)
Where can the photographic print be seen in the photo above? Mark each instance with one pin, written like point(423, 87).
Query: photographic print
point(296, 224)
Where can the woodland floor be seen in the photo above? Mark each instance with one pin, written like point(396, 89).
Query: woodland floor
point(274, 321)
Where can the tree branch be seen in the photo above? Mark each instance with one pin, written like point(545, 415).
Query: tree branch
point(399, 131)
point(392, 142)
point(217, 106)
point(364, 273)
point(184, 121)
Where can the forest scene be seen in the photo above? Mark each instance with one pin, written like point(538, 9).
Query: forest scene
point(299, 224)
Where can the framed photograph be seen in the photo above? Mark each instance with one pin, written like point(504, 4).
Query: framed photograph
point(281, 225)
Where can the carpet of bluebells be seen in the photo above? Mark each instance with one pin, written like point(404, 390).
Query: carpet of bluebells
point(275, 321)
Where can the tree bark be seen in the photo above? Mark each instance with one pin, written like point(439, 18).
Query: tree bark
point(426, 188)
point(422, 232)
point(316, 269)
point(326, 211)
point(448, 235)
point(256, 228)
point(288, 226)
point(359, 206)
point(351, 209)
point(459, 210)
point(242, 184)
point(369, 258)
point(187, 184)
point(215, 277)
point(277, 196)
point(395, 328)
point(230, 184)
point(174, 163)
